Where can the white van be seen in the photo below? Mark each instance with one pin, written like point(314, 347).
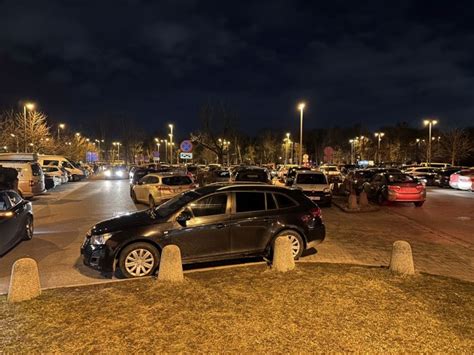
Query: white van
point(30, 175)
point(62, 162)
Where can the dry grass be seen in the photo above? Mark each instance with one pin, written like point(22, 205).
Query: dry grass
point(315, 308)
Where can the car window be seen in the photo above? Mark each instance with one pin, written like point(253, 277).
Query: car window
point(396, 178)
point(271, 205)
point(152, 180)
point(250, 201)
point(210, 205)
point(176, 180)
point(15, 199)
point(251, 176)
point(313, 179)
point(284, 201)
point(36, 169)
point(4, 202)
point(49, 169)
point(51, 162)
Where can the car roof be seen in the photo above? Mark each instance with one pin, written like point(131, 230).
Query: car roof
point(309, 172)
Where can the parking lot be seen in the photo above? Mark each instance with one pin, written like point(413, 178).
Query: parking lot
point(440, 232)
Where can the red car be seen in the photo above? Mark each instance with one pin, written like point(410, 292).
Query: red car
point(396, 187)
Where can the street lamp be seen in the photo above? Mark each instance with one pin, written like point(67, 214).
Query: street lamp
point(117, 144)
point(430, 124)
point(379, 136)
point(171, 143)
point(30, 107)
point(60, 126)
point(16, 138)
point(301, 107)
point(287, 143)
point(165, 141)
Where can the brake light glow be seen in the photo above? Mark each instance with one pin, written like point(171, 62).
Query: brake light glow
point(314, 213)
point(420, 187)
point(394, 188)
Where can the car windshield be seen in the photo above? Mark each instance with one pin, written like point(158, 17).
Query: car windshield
point(313, 179)
point(48, 169)
point(397, 178)
point(176, 180)
point(173, 205)
point(330, 168)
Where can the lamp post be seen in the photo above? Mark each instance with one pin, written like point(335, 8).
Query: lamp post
point(157, 141)
point(351, 141)
point(430, 124)
point(287, 142)
point(171, 143)
point(379, 136)
point(16, 138)
point(165, 141)
point(27, 106)
point(60, 126)
point(117, 144)
point(301, 107)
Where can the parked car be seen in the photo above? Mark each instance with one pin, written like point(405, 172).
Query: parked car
point(30, 176)
point(332, 172)
point(56, 171)
point(51, 181)
point(216, 222)
point(396, 187)
point(58, 160)
point(443, 176)
point(251, 174)
point(16, 220)
point(315, 185)
point(357, 178)
point(138, 174)
point(291, 174)
point(462, 180)
point(213, 176)
point(155, 188)
point(424, 174)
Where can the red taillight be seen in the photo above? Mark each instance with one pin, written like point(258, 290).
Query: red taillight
point(394, 188)
point(313, 214)
point(32, 183)
point(420, 187)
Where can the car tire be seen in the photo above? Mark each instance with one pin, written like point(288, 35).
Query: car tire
point(151, 202)
point(419, 203)
point(380, 199)
point(139, 260)
point(29, 228)
point(297, 244)
point(133, 196)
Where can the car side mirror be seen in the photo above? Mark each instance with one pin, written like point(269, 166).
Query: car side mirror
point(183, 217)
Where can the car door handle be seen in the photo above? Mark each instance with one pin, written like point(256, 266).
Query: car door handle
point(220, 225)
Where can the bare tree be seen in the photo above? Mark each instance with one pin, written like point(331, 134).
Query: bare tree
point(456, 145)
point(217, 125)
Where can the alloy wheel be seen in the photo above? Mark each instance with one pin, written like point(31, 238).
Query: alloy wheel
point(295, 244)
point(139, 262)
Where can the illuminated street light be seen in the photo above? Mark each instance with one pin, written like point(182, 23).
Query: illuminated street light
point(430, 124)
point(171, 142)
point(61, 126)
point(379, 136)
point(165, 141)
point(16, 138)
point(301, 107)
point(30, 107)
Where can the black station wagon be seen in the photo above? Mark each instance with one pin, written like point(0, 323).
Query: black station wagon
point(216, 222)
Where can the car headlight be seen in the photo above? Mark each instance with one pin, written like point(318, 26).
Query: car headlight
point(326, 190)
point(100, 239)
point(119, 173)
point(107, 173)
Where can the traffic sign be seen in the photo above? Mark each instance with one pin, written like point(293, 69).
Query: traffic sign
point(186, 146)
point(305, 158)
point(185, 155)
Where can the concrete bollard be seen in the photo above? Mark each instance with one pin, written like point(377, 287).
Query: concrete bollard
point(283, 259)
point(171, 266)
point(24, 281)
point(401, 261)
point(352, 202)
point(363, 200)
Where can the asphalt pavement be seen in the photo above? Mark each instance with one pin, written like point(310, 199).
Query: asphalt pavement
point(441, 232)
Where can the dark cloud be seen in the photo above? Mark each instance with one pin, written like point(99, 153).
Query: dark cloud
point(372, 62)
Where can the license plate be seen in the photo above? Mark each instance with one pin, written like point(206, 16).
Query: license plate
point(315, 198)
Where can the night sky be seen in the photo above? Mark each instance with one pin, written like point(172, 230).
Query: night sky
point(373, 62)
